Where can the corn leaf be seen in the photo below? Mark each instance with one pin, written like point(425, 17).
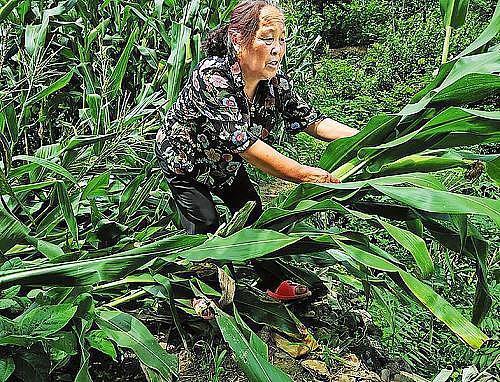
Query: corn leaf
point(58, 169)
point(441, 308)
point(414, 244)
point(486, 35)
point(265, 312)
point(454, 12)
point(86, 140)
point(255, 366)
point(242, 246)
point(12, 230)
point(45, 92)
point(101, 269)
point(443, 201)
point(130, 333)
point(6, 9)
point(67, 209)
point(96, 186)
point(119, 70)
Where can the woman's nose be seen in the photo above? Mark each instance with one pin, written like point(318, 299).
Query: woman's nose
point(276, 49)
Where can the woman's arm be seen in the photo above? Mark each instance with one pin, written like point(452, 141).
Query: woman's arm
point(329, 130)
point(267, 159)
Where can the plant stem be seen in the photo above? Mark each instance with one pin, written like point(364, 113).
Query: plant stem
point(446, 45)
point(125, 299)
point(121, 282)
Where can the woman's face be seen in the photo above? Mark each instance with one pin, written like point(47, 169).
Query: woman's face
point(261, 58)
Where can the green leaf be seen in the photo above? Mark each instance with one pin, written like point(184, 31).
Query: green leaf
point(12, 232)
point(34, 36)
point(129, 193)
point(316, 190)
point(417, 163)
point(7, 366)
point(38, 323)
point(342, 150)
point(96, 186)
point(6, 9)
point(487, 35)
point(238, 220)
point(65, 342)
point(52, 88)
point(493, 170)
point(452, 127)
point(443, 310)
point(99, 340)
point(100, 28)
point(118, 72)
point(11, 119)
point(255, 341)
point(67, 210)
point(82, 326)
point(263, 311)
point(454, 12)
point(51, 251)
point(165, 282)
point(86, 140)
point(368, 259)
point(471, 73)
point(443, 201)
point(58, 169)
point(414, 244)
point(256, 367)
point(130, 333)
point(242, 246)
point(33, 186)
point(177, 60)
point(92, 271)
point(46, 320)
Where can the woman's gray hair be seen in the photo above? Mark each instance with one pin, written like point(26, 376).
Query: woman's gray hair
point(244, 21)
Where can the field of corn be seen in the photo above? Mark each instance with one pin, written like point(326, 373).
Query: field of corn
point(96, 278)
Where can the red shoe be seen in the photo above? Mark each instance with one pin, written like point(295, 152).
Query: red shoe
point(288, 290)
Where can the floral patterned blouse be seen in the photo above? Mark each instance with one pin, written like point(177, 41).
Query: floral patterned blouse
point(212, 121)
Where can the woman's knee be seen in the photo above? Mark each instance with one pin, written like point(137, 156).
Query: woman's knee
point(208, 222)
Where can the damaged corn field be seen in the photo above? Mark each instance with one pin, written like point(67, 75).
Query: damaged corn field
point(97, 277)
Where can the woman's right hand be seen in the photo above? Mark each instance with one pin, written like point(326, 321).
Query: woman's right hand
point(317, 175)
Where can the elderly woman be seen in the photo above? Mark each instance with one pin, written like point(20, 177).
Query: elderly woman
point(225, 114)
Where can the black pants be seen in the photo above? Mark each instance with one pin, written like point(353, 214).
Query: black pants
point(198, 213)
point(197, 208)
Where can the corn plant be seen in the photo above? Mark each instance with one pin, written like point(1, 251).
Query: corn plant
point(454, 14)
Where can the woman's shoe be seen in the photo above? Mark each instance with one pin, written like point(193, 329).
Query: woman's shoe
point(288, 291)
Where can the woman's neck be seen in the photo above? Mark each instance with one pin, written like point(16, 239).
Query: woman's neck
point(250, 86)
point(250, 91)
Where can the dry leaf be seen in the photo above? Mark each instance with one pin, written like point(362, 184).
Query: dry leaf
point(316, 366)
point(295, 349)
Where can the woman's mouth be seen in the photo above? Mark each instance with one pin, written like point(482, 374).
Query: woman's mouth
point(274, 64)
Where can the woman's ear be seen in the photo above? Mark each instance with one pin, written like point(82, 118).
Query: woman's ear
point(236, 40)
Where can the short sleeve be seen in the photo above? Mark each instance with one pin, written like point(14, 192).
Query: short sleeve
point(297, 114)
point(214, 96)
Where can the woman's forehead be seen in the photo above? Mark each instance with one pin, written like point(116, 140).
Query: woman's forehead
point(271, 19)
